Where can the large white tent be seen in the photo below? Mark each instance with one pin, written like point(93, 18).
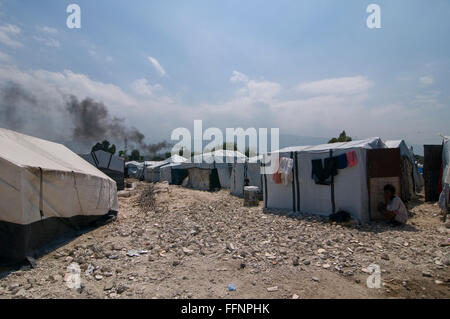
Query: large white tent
point(111, 165)
point(46, 193)
point(350, 191)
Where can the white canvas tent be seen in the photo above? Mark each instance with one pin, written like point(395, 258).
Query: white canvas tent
point(46, 193)
point(111, 165)
point(304, 195)
point(412, 181)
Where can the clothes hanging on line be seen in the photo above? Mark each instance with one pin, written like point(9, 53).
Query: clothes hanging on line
point(341, 161)
point(351, 158)
point(323, 173)
point(276, 177)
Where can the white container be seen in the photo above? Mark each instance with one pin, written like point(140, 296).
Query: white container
point(251, 196)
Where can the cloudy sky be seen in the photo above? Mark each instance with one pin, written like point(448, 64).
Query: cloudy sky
point(310, 68)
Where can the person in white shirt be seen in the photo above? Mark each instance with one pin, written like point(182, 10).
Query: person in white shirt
point(393, 207)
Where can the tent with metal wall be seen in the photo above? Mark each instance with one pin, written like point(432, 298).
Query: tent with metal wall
point(111, 165)
point(412, 180)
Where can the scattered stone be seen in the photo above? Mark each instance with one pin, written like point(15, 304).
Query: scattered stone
point(132, 253)
point(188, 251)
point(295, 296)
point(385, 256)
point(108, 286)
point(427, 274)
point(295, 261)
point(121, 288)
point(272, 289)
point(315, 279)
point(98, 277)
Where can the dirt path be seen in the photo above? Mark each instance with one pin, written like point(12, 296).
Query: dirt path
point(197, 243)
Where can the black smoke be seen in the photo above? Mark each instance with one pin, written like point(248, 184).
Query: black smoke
point(89, 121)
point(15, 105)
point(93, 122)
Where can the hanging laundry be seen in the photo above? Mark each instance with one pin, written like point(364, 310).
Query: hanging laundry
point(276, 177)
point(285, 170)
point(341, 161)
point(322, 174)
point(351, 158)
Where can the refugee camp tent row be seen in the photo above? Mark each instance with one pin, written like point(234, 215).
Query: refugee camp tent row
point(136, 170)
point(444, 198)
point(111, 165)
point(47, 193)
point(208, 171)
point(412, 180)
point(327, 178)
point(246, 172)
point(152, 174)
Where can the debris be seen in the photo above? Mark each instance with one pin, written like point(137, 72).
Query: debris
point(231, 287)
point(272, 289)
point(132, 253)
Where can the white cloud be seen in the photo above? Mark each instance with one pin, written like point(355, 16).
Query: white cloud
point(50, 42)
point(4, 57)
point(142, 87)
point(255, 103)
point(157, 65)
point(341, 86)
point(426, 80)
point(238, 77)
point(8, 33)
point(47, 29)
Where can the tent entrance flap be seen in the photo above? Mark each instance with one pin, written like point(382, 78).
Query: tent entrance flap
point(384, 167)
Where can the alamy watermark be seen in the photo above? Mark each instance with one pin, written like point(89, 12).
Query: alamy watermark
point(374, 19)
point(257, 140)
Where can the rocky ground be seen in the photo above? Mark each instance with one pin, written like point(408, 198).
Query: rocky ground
point(195, 244)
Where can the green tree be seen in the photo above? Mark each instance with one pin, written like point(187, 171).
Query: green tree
point(104, 146)
point(135, 155)
point(342, 138)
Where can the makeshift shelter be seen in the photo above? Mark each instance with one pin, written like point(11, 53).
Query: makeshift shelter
point(111, 165)
point(47, 193)
point(134, 169)
point(209, 171)
point(250, 171)
point(166, 174)
point(306, 188)
point(411, 180)
point(444, 198)
point(152, 174)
